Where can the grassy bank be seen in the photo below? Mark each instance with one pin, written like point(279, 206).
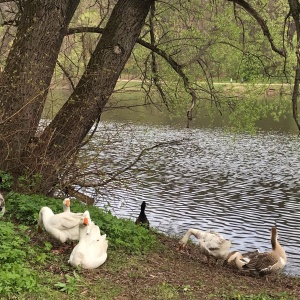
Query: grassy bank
point(141, 264)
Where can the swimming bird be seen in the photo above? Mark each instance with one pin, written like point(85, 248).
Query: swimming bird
point(142, 218)
point(91, 251)
point(212, 244)
point(63, 226)
point(2, 202)
point(268, 262)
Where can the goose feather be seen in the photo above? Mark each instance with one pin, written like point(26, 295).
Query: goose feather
point(268, 262)
point(91, 251)
point(212, 244)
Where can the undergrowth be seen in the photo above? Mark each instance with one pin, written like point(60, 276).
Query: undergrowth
point(16, 254)
point(121, 233)
point(31, 270)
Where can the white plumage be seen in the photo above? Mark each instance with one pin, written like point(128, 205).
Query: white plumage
point(63, 226)
point(91, 251)
point(212, 244)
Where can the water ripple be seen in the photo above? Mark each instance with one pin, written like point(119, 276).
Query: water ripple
point(236, 185)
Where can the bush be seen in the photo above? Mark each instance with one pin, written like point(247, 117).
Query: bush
point(7, 180)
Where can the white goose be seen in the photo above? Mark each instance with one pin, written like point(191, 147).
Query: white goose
point(67, 205)
point(93, 231)
point(91, 251)
point(211, 244)
point(268, 262)
point(237, 260)
point(63, 226)
point(2, 202)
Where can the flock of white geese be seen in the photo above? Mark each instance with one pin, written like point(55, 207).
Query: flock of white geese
point(91, 250)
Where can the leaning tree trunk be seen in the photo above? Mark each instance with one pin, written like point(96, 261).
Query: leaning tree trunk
point(64, 135)
point(27, 76)
point(294, 10)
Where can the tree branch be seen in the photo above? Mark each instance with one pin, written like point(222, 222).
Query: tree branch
point(154, 67)
point(83, 29)
point(261, 23)
point(175, 66)
point(114, 176)
point(67, 74)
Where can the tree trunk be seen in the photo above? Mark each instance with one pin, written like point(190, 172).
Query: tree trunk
point(294, 9)
point(64, 136)
point(27, 76)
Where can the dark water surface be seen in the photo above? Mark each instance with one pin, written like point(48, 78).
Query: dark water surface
point(237, 185)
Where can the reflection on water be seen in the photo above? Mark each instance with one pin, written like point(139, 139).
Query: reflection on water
point(236, 185)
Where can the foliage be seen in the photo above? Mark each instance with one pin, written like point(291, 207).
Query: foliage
point(28, 183)
point(7, 180)
point(71, 285)
point(166, 291)
point(121, 233)
point(183, 49)
point(15, 274)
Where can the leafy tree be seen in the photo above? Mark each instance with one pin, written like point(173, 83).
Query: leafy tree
point(177, 45)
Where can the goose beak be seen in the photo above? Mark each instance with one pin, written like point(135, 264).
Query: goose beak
point(85, 221)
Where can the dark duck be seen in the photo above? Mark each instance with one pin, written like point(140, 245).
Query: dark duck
point(142, 218)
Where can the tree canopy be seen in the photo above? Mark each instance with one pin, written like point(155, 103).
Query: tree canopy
point(176, 49)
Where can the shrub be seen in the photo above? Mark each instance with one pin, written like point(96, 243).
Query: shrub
point(7, 180)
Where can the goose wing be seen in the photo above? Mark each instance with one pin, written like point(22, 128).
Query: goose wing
point(262, 262)
point(65, 220)
point(212, 240)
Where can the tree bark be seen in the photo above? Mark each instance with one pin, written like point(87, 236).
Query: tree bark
point(294, 10)
point(64, 136)
point(27, 76)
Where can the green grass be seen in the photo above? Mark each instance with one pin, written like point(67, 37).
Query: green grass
point(241, 296)
point(121, 233)
point(18, 256)
point(31, 270)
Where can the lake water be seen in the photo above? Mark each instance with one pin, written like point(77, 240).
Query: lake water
point(238, 185)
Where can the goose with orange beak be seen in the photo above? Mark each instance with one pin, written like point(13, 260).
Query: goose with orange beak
point(63, 226)
point(91, 251)
point(67, 205)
